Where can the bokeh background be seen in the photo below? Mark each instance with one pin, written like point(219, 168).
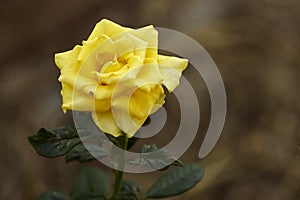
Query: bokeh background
point(255, 44)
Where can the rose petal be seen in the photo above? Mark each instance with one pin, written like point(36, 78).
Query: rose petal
point(108, 28)
point(94, 47)
point(106, 122)
point(159, 103)
point(68, 59)
point(127, 72)
point(171, 69)
point(76, 80)
point(148, 34)
point(150, 73)
point(86, 85)
point(110, 76)
point(131, 110)
point(75, 100)
point(130, 43)
point(103, 92)
point(62, 58)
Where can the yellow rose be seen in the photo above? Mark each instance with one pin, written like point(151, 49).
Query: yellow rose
point(117, 75)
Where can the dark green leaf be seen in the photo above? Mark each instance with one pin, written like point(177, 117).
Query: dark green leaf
point(54, 143)
point(159, 159)
point(81, 154)
point(130, 186)
point(52, 195)
point(176, 163)
point(90, 196)
point(129, 191)
point(124, 196)
point(119, 140)
point(91, 183)
point(176, 181)
point(146, 148)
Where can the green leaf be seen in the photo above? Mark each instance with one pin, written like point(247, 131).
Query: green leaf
point(176, 181)
point(90, 196)
point(56, 142)
point(118, 140)
point(52, 195)
point(176, 163)
point(146, 148)
point(91, 183)
point(81, 154)
point(130, 186)
point(159, 159)
point(129, 191)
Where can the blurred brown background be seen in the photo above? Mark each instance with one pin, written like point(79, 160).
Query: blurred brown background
point(255, 44)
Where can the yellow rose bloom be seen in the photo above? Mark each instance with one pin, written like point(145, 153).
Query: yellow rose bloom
point(117, 75)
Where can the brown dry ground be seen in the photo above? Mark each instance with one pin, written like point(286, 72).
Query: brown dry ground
point(254, 43)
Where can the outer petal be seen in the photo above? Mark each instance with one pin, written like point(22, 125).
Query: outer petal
point(86, 85)
point(130, 43)
point(61, 59)
point(108, 28)
point(76, 100)
point(171, 69)
point(150, 35)
point(68, 59)
point(150, 73)
point(142, 101)
point(87, 47)
point(77, 81)
point(91, 50)
point(159, 103)
point(130, 112)
point(106, 122)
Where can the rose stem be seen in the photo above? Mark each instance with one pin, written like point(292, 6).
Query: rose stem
point(119, 173)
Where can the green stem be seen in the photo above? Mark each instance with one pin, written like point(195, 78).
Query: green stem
point(119, 173)
point(118, 181)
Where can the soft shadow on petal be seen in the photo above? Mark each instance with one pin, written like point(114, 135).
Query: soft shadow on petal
point(171, 69)
point(104, 92)
point(142, 101)
point(132, 109)
point(159, 103)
